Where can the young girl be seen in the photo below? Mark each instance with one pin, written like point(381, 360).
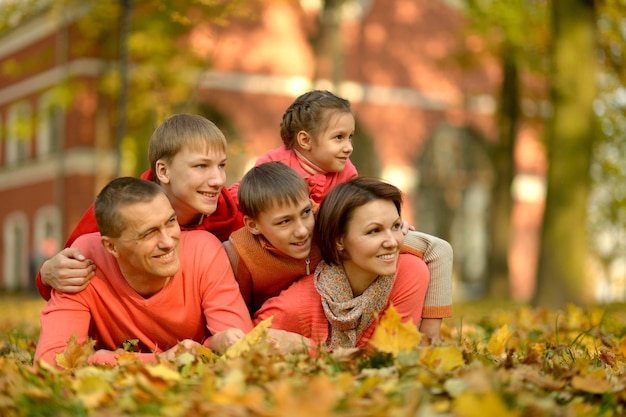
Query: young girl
point(316, 130)
point(278, 246)
point(362, 272)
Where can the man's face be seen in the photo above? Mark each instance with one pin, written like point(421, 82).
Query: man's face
point(288, 227)
point(193, 180)
point(148, 248)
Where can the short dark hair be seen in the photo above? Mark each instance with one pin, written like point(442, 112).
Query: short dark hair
point(339, 205)
point(268, 184)
point(117, 194)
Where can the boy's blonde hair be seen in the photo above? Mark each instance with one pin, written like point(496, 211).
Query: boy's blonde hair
point(183, 130)
point(308, 113)
point(267, 185)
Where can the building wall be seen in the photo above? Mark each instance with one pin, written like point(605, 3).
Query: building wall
point(400, 70)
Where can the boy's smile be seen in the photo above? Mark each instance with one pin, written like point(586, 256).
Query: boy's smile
point(287, 227)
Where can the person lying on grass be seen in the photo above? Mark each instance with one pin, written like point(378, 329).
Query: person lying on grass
point(362, 272)
point(153, 284)
point(278, 246)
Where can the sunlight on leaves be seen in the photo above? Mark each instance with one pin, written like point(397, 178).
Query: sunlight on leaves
point(393, 336)
point(497, 342)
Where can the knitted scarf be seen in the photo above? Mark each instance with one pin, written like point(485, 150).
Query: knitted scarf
point(347, 315)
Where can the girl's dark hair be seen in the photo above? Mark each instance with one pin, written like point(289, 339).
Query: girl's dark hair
point(309, 113)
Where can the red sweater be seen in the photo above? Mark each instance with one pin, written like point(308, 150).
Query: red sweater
point(201, 299)
point(226, 219)
point(319, 184)
point(299, 308)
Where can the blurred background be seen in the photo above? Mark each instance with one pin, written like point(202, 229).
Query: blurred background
point(504, 122)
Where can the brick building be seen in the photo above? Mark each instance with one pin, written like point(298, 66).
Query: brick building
point(396, 65)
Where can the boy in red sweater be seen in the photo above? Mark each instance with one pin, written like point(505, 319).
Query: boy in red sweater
point(187, 156)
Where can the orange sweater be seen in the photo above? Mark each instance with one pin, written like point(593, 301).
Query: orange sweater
point(262, 271)
point(201, 299)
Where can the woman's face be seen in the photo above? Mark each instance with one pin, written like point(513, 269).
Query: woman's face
point(371, 244)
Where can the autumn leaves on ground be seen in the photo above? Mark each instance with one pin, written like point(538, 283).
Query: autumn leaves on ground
point(513, 361)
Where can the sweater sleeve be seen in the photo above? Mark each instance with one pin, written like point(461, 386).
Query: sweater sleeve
point(64, 315)
point(222, 303)
point(410, 287)
point(438, 255)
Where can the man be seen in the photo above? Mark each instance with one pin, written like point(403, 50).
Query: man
point(152, 283)
point(187, 155)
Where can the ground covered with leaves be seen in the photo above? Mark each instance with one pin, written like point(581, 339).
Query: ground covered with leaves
point(507, 362)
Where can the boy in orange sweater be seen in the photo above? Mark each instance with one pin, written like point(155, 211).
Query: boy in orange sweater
point(278, 246)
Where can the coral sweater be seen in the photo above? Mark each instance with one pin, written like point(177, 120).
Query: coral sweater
point(226, 219)
point(200, 300)
point(299, 308)
point(319, 184)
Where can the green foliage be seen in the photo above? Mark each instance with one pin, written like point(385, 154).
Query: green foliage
point(164, 66)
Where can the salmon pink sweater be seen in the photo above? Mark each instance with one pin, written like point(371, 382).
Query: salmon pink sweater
point(200, 300)
point(299, 308)
point(226, 219)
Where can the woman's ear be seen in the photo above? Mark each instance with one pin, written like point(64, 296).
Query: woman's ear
point(161, 172)
point(304, 140)
point(340, 246)
point(251, 225)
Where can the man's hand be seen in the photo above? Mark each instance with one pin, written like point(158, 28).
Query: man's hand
point(221, 341)
point(289, 342)
point(68, 271)
point(186, 345)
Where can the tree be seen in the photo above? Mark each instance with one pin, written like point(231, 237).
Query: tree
point(571, 132)
point(504, 28)
point(161, 71)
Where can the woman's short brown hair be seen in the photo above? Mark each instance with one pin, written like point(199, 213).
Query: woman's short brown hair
point(339, 205)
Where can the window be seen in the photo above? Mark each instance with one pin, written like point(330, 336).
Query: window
point(48, 125)
point(46, 235)
point(19, 132)
point(16, 275)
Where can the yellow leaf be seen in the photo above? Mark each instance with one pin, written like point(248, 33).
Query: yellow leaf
point(252, 338)
point(93, 391)
point(74, 354)
point(497, 343)
point(488, 404)
point(164, 372)
point(591, 384)
point(393, 336)
point(444, 358)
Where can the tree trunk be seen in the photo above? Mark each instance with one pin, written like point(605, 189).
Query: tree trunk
point(503, 162)
point(327, 44)
point(562, 268)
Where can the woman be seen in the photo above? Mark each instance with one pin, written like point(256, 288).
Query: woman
point(362, 272)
